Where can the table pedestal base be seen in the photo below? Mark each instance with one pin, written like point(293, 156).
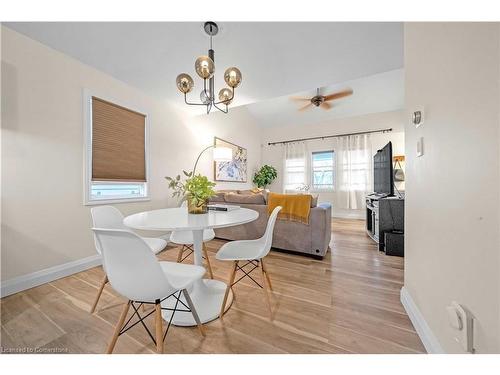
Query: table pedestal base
point(207, 296)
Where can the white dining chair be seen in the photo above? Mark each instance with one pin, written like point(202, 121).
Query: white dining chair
point(185, 238)
point(135, 273)
point(252, 252)
point(110, 217)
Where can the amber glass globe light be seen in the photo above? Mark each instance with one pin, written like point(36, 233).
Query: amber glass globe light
point(226, 96)
point(205, 67)
point(232, 76)
point(184, 83)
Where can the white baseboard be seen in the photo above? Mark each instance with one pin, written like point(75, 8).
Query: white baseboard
point(31, 280)
point(425, 333)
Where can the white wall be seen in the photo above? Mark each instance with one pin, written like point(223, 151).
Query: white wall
point(44, 222)
point(238, 127)
point(273, 155)
point(452, 225)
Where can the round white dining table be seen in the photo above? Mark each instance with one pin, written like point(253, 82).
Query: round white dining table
point(207, 294)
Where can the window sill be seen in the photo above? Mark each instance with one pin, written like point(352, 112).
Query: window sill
point(95, 202)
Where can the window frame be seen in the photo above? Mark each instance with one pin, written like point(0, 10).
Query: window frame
point(87, 177)
point(325, 190)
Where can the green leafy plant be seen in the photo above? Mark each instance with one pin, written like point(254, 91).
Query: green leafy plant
point(265, 176)
point(196, 189)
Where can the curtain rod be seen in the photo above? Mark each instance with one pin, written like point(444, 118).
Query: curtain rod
point(330, 136)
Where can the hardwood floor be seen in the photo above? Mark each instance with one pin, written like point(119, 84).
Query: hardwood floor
point(346, 303)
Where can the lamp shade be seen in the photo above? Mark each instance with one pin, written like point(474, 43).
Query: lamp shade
point(232, 76)
point(205, 67)
point(184, 83)
point(225, 96)
point(223, 154)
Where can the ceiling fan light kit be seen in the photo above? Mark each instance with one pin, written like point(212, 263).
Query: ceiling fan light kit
point(319, 100)
point(205, 68)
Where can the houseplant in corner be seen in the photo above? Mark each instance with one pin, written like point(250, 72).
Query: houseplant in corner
point(196, 189)
point(264, 176)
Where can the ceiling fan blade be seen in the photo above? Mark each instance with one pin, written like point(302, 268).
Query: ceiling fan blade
point(300, 99)
point(307, 106)
point(326, 106)
point(338, 95)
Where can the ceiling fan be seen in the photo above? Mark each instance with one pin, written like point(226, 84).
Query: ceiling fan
point(322, 100)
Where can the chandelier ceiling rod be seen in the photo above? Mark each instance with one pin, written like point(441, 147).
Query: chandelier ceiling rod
point(205, 68)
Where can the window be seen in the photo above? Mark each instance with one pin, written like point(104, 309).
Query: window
point(294, 173)
point(117, 153)
point(323, 170)
point(107, 190)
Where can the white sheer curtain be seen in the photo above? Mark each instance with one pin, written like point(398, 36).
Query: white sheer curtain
point(296, 169)
point(353, 170)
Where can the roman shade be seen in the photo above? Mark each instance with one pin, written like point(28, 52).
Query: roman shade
point(118, 143)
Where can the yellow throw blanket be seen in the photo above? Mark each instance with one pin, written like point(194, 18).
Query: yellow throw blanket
point(295, 207)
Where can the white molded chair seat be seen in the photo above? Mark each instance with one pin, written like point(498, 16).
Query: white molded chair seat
point(155, 244)
point(185, 237)
point(179, 275)
point(110, 217)
point(241, 250)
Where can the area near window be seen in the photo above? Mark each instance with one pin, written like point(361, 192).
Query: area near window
point(117, 154)
point(323, 170)
point(295, 170)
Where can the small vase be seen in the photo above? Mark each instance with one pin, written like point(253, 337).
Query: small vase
point(201, 208)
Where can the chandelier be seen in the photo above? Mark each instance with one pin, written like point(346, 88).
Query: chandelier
point(205, 68)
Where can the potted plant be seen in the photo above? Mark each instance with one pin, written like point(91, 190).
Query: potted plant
point(265, 176)
point(196, 189)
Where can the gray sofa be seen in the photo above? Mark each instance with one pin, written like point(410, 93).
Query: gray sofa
point(311, 239)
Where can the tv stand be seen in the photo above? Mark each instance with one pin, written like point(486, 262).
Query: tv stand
point(384, 214)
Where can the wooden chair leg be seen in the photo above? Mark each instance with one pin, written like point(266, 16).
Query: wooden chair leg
point(118, 328)
point(193, 311)
point(267, 274)
point(231, 281)
point(205, 251)
point(179, 255)
point(103, 284)
point(266, 293)
point(159, 328)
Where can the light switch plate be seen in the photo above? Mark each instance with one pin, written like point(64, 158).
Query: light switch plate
point(420, 146)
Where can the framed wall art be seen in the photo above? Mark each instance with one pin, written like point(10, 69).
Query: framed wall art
point(234, 170)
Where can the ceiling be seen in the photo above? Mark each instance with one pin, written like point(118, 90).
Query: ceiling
point(376, 93)
point(275, 58)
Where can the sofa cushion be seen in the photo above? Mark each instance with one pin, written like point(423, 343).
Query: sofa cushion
point(247, 192)
point(218, 197)
point(244, 198)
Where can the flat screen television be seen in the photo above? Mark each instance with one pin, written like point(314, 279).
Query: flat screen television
point(383, 176)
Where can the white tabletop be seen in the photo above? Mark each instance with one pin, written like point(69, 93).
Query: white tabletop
point(169, 219)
